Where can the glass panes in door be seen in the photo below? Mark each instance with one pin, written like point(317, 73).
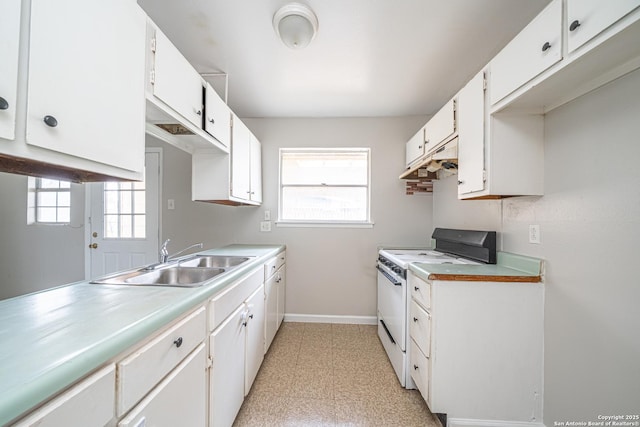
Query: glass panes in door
point(124, 210)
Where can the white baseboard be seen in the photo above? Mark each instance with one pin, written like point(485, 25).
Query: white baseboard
point(463, 422)
point(321, 318)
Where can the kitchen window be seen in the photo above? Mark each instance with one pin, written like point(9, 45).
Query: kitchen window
point(48, 201)
point(324, 187)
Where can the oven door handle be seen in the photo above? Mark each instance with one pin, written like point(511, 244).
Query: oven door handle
point(389, 277)
point(387, 331)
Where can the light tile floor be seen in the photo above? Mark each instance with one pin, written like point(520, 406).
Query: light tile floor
point(330, 375)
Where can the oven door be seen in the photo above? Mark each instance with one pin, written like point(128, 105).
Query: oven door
point(392, 297)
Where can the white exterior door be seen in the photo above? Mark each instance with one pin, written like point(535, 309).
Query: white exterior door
point(124, 222)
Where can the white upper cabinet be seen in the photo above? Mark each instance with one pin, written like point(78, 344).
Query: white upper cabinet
point(415, 148)
point(217, 121)
point(240, 160)
point(441, 126)
point(10, 36)
point(536, 48)
point(255, 170)
point(176, 82)
point(587, 18)
point(234, 179)
point(471, 107)
point(83, 87)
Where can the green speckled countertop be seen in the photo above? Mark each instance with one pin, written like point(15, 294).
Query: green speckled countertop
point(510, 268)
point(53, 338)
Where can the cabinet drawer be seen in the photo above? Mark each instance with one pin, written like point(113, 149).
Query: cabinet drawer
point(420, 291)
point(142, 370)
point(420, 369)
point(420, 327)
point(179, 400)
point(222, 305)
point(271, 266)
point(86, 404)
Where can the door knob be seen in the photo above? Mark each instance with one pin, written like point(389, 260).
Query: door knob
point(93, 246)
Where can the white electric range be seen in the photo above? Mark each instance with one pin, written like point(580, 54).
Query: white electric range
point(452, 247)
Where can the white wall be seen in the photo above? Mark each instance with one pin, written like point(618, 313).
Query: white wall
point(590, 230)
point(36, 257)
point(330, 271)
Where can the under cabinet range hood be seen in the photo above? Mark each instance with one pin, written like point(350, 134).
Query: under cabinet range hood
point(444, 158)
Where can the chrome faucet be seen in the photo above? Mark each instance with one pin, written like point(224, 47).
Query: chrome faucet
point(164, 253)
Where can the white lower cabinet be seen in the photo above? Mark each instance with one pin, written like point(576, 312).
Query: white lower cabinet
point(179, 400)
point(90, 403)
point(275, 291)
point(255, 337)
point(236, 348)
point(470, 336)
point(227, 347)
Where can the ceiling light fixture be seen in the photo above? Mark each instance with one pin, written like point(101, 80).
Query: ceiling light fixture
point(295, 24)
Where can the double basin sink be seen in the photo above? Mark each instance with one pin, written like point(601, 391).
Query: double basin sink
point(189, 272)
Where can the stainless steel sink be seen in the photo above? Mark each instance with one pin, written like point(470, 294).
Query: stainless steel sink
point(214, 261)
point(188, 273)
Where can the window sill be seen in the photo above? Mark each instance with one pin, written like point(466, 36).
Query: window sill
point(325, 224)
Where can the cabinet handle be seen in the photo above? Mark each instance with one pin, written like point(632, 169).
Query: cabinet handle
point(415, 288)
point(211, 120)
point(574, 25)
point(198, 112)
point(3, 104)
point(415, 319)
point(546, 46)
point(460, 182)
point(178, 342)
point(50, 121)
point(251, 316)
point(415, 367)
point(419, 146)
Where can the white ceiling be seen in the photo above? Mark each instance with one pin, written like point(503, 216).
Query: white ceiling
point(369, 58)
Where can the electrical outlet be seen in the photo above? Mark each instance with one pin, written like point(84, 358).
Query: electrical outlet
point(267, 215)
point(171, 204)
point(265, 226)
point(534, 234)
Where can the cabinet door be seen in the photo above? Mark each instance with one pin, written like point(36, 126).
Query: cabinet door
point(179, 400)
point(89, 403)
point(593, 16)
point(415, 147)
point(471, 136)
point(281, 283)
point(255, 337)
point(255, 174)
point(10, 36)
point(227, 351)
point(89, 77)
point(271, 309)
point(440, 127)
point(240, 160)
point(217, 117)
point(535, 49)
point(176, 82)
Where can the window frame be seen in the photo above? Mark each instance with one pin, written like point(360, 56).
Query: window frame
point(34, 187)
point(366, 223)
